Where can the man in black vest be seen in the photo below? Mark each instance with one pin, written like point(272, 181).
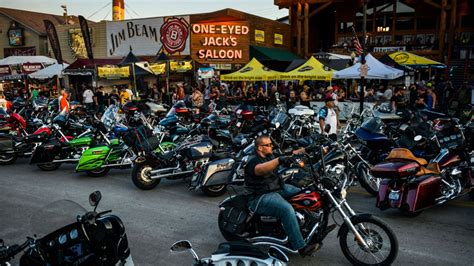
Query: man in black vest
point(269, 193)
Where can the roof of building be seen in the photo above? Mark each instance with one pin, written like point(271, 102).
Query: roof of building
point(34, 20)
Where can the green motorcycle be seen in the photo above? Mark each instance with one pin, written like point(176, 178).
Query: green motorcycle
point(115, 153)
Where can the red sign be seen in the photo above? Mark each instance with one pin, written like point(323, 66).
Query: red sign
point(31, 67)
point(23, 51)
point(5, 70)
point(174, 33)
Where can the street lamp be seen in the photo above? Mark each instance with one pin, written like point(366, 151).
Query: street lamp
point(64, 7)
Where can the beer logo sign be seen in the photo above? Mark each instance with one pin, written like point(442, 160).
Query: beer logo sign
point(401, 58)
point(247, 69)
point(174, 33)
point(306, 68)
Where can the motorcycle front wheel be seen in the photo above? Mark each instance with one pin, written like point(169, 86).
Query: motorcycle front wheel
point(141, 176)
point(6, 159)
point(370, 183)
point(381, 240)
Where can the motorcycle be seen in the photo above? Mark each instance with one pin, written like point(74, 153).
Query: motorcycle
point(412, 185)
point(13, 147)
point(94, 238)
point(364, 239)
point(235, 254)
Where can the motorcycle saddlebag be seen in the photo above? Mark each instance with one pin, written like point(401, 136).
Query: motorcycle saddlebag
point(422, 192)
point(395, 169)
point(236, 215)
point(6, 143)
point(218, 172)
point(45, 153)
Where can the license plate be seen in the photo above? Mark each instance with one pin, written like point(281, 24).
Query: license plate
point(394, 195)
point(238, 124)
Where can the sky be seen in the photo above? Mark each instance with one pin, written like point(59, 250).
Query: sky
point(98, 10)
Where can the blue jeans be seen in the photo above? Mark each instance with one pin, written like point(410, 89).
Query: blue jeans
point(274, 204)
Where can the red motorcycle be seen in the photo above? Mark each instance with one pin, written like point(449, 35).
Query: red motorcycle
point(412, 185)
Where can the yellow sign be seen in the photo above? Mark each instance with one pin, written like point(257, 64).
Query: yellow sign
point(113, 72)
point(158, 68)
point(181, 66)
point(259, 36)
point(278, 39)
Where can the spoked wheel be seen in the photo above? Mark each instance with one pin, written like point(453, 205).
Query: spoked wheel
point(49, 166)
point(141, 177)
point(367, 180)
point(214, 191)
point(382, 244)
point(98, 172)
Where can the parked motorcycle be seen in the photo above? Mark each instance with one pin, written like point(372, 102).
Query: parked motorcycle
point(94, 238)
point(363, 238)
point(235, 254)
point(13, 147)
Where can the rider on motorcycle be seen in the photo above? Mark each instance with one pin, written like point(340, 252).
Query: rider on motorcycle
point(267, 193)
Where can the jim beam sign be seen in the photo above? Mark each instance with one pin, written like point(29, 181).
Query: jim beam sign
point(217, 42)
point(148, 36)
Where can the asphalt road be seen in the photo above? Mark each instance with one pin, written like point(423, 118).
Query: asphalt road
point(155, 219)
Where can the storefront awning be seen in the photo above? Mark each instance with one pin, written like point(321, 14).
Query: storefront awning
point(266, 54)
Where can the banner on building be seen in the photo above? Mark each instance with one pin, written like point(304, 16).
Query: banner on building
point(53, 40)
point(87, 36)
point(5, 70)
point(181, 66)
point(148, 36)
point(278, 39)
point(389, 49)
point(206, 72)
point(20, 51)
point(110, 72)
point(158, 68)
point(28, 68)
point(259, 36)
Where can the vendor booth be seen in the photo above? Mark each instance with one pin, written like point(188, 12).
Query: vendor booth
point(312, 69)
point(375, 70)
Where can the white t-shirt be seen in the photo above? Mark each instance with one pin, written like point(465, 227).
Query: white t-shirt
point(130, 94)
point(388, 94)
point(88, 96)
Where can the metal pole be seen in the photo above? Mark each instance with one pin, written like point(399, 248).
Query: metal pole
point(362, 59)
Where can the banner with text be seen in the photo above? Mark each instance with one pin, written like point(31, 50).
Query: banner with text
point(148, 36)
point(113, 72)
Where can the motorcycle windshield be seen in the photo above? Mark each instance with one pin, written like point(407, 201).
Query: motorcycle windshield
point(373, 125)
point(280, 119)
point(54, 216)
point(110, 116)
point(41, 101)
point(178, 104)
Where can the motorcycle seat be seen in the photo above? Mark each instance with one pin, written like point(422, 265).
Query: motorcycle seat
point(430, 169)
point(221, 155)
point(240, 249)
point(406, 155)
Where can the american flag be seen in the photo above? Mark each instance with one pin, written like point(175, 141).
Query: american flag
point(356, 43)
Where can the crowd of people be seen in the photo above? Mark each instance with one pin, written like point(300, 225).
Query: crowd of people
point(442, 97)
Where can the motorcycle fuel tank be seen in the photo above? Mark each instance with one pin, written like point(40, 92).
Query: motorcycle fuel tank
point(82, 141)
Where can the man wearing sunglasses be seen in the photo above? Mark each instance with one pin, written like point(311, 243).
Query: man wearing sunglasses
point(267, 192)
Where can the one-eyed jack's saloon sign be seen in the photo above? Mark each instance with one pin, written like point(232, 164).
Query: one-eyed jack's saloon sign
point(220, 42)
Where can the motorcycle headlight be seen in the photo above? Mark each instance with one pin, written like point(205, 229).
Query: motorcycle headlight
point(343, 193)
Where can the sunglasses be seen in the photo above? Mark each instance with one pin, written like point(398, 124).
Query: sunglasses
point(267, 145)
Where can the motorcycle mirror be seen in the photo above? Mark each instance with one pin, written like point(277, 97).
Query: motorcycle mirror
point(327, 128)
point(277, 124)
point(94, 198)
point(278, 254)
point(181, 246)
point(417, 138)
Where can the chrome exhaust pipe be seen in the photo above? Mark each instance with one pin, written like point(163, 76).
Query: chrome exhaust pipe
point(172, 174)
point(65, 161)
point(117, 164)
point(158, 171)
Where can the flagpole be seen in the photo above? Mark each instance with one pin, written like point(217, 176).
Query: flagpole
point(362, 59)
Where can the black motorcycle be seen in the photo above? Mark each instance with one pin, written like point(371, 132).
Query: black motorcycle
point(95, 238)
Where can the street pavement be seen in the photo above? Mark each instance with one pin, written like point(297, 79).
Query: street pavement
point(155, 219)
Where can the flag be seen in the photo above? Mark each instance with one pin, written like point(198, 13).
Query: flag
point(86, 35)
point(356, 43)
point(54, 40)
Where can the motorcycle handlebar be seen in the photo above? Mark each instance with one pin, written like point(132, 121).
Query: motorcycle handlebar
point(8, 252)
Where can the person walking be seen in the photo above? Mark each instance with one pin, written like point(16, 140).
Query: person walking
point(88, 99)
point(63, 101)
point(329, 116)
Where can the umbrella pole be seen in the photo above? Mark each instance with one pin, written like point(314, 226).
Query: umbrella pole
point(134, 87)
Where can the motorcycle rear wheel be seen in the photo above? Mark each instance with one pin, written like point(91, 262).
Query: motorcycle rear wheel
point(214, 191)
point(98, 172)
point(140, 176)
point(471, 194)
point(377, 235)
point(7, 159)
point(49, 166)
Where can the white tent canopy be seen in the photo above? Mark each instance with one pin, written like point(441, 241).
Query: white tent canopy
point(49, 71)
point(18, 60)
point(377, 70)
